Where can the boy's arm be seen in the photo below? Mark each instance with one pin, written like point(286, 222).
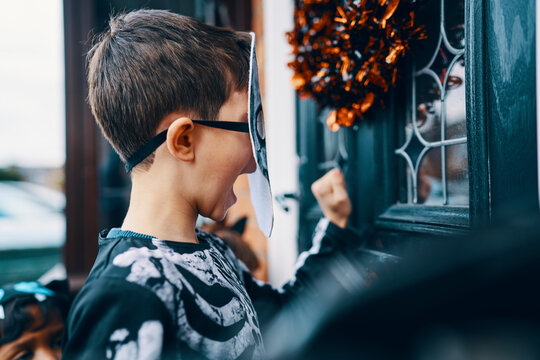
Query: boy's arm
point(116, 319)
point(331, 236)
point(331, 194)
point(328, 241)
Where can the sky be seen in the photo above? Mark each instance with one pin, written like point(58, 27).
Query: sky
point(32, 111)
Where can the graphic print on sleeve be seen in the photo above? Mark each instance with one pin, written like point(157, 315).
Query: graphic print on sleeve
point(146, 345)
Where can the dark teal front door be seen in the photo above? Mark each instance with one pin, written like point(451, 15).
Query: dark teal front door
point(488, 162)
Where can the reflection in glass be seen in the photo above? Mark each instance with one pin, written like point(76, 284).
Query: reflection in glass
point(427, 15)
point(430, 187)
point(441, 62)
point(428, 107)
point(457, 175)
point(455, 101)
point(414, 147)
point(438, 103)
point(454, 19)
point(410, 184)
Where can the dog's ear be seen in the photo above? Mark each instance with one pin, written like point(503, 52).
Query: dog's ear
point(239, 226)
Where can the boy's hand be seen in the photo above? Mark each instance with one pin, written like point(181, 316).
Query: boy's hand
point(331, 194)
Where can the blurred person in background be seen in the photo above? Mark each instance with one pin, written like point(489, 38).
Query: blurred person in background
point(32, 320)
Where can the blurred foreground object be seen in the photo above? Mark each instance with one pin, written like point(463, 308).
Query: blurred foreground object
point(471, 298)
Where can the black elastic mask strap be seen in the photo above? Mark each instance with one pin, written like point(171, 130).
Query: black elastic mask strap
point(145, 150)
point(160, 138)
point(225, 125)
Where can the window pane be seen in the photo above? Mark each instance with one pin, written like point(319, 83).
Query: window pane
point(428, 107)
point(455, 101)
point(436, 154)
point(430, 179)
point(454, 18)
point(428, 15)
point(457, 175)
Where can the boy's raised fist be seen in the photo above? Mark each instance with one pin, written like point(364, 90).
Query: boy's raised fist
point(331, 194)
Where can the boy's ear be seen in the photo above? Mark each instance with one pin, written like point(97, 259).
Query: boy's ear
point(180, 139)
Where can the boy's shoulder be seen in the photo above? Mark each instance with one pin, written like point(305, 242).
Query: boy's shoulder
point(120, 250)
point(163, 267)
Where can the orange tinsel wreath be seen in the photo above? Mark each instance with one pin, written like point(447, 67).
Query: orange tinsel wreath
point(346, 52)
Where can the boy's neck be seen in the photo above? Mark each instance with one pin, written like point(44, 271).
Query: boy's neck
point(154, 211)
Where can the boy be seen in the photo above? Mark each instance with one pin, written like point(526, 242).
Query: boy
point(31, 321)
point(159, 287)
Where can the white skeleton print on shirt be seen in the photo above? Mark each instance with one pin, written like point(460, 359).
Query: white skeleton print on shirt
point(164, 271)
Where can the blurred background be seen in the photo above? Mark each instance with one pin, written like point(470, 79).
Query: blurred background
point(32, 138)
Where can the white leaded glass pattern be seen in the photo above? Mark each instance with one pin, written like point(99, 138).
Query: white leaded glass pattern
point(435, 147)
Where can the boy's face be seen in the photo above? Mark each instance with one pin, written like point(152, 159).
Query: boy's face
point(225, 155)
point(40, 341)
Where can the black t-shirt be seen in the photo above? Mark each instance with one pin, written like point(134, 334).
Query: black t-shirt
point(147, 298)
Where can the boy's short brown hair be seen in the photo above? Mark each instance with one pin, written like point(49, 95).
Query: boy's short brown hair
point(149, 63)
